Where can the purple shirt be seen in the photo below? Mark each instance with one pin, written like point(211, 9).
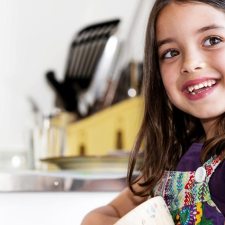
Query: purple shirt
point(190, 161)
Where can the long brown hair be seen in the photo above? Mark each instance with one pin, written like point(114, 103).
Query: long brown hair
point(166, 132)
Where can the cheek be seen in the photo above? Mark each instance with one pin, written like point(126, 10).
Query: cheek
point(219, 65)
point(169, 79)
point(169, 87)
point(219, 62)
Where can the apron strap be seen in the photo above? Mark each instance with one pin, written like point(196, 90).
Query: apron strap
point(211, 165)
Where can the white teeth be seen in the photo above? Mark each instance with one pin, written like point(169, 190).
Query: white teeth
point(196, 87)
point(192, 88)
point(201, 85)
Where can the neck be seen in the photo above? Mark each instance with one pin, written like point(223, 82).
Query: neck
point(209, 127)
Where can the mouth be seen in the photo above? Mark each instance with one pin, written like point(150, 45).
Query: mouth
point(200, 87)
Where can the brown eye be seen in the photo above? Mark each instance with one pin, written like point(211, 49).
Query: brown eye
point(170, 54)
point(212, 41)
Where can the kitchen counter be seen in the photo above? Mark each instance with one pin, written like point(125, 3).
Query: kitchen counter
point(57, 197)
point(65, 181)
point(48, 208)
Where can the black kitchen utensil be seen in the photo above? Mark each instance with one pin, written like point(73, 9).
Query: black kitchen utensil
point(84, 56)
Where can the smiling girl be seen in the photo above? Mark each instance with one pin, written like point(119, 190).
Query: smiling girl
point(182, 135)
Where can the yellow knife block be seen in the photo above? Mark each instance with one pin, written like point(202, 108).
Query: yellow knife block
point(108, 131)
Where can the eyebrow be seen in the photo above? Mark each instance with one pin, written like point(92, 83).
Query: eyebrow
point(201, 30)
point(164, 41)
point(210, 27)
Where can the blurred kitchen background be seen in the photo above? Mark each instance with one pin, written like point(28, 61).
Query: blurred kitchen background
point(70, 87)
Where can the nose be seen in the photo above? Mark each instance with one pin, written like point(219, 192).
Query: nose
point(192, 63)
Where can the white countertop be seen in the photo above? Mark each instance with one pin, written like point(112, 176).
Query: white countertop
point(67, 208)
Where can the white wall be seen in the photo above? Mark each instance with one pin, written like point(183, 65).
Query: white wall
point(35, 37)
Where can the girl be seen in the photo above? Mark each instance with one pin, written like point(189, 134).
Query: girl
point(183, 129)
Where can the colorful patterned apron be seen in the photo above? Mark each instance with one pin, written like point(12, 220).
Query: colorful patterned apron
point(188, 197)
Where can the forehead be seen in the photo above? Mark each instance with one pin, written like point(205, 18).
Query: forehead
point(185, 16)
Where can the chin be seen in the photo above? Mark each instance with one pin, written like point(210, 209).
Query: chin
point(209, 117)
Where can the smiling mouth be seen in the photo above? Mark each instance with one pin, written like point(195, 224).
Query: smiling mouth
point(200, 87)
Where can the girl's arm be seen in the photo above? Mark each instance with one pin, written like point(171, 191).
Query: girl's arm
point(110, 213)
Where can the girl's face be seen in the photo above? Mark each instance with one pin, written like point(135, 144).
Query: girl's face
point(191, 47)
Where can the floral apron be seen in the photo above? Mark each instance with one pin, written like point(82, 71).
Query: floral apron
point(188, 197)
